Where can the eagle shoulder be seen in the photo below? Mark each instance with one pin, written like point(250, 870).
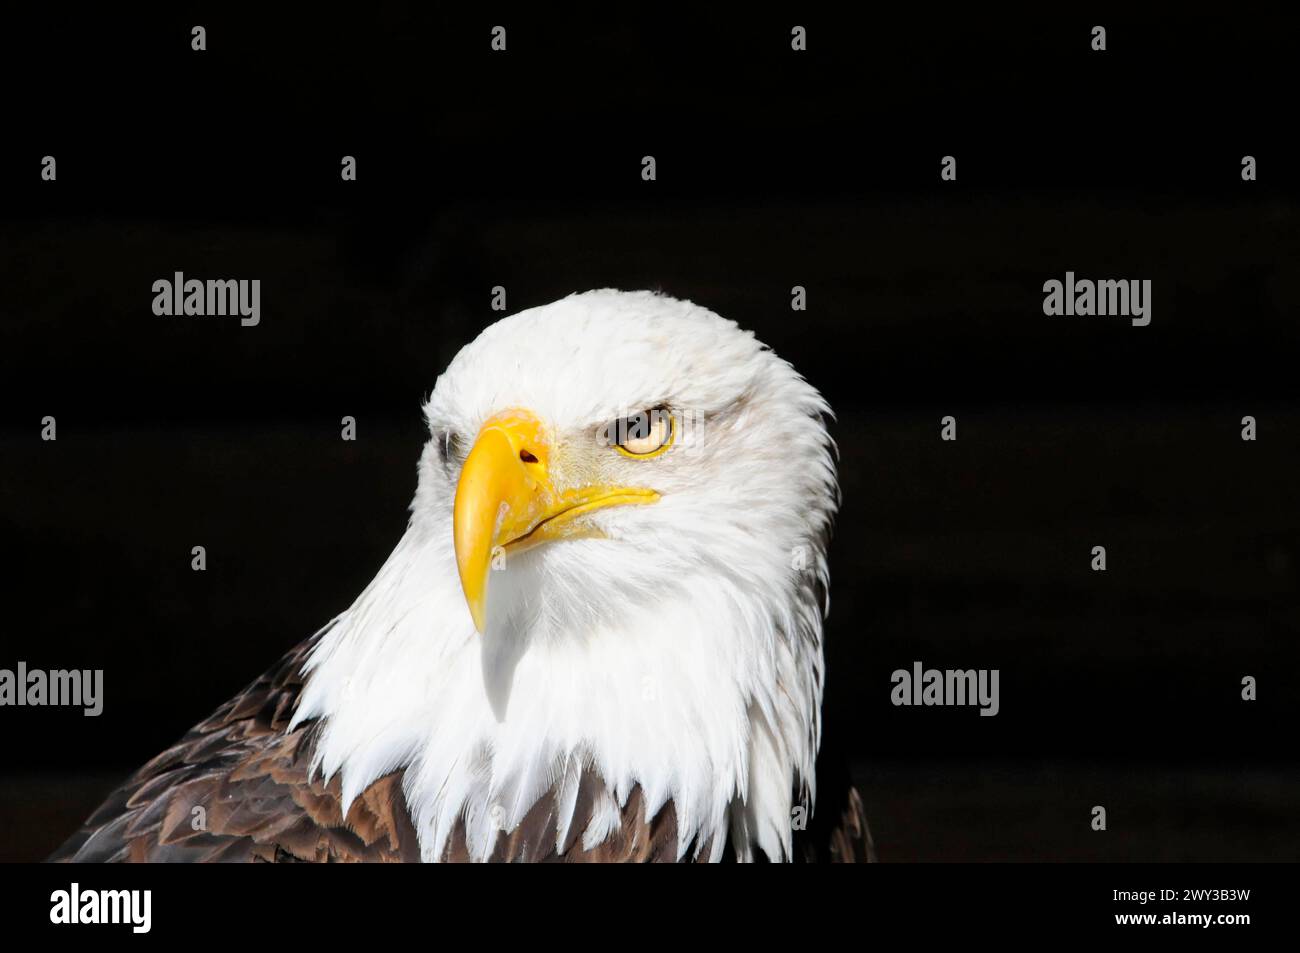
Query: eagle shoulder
point(238, 787)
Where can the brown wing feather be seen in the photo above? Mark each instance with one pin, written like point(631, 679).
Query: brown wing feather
point(637, 841)
point(850, 840)
point(236, 788)
point(838, 833)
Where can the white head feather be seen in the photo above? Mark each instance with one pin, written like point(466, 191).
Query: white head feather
point(681, 653)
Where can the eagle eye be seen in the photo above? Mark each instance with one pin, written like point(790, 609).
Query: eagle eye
point(645, 434)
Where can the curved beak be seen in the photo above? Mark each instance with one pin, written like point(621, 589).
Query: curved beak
point(506, 502)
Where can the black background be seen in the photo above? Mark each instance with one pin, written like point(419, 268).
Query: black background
point(775, 169)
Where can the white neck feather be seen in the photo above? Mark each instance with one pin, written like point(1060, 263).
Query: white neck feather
point(709, 699)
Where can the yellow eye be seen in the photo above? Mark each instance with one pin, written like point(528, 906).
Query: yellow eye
point(646, 434)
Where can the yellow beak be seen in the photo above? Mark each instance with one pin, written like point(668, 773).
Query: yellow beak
point(506, 502)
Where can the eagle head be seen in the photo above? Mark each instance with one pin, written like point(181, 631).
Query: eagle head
point(615, 565)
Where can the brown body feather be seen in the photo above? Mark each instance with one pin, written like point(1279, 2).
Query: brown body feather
point(238, 788)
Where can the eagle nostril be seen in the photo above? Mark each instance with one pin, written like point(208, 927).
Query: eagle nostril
point(527, 457)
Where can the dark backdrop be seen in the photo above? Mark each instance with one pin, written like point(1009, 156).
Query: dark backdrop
point(775, 169)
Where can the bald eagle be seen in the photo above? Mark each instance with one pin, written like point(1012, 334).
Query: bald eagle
point(599, 639)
